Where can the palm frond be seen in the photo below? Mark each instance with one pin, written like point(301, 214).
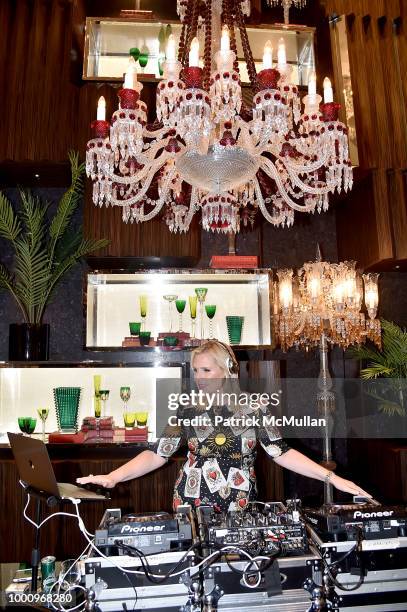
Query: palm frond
point(374, 370)
point(85, 247)
point(33, 213)
point(68, 203)
point(10, 226)
point(31, 271)
point(7, 281)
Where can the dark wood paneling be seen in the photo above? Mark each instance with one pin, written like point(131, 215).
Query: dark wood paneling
point(61, 536)
point(41, 104)
point(377, 209)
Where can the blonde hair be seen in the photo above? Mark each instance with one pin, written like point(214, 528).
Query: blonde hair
point(223, 355)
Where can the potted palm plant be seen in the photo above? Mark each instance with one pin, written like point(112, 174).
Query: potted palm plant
point(389, 362)
point(44, 251)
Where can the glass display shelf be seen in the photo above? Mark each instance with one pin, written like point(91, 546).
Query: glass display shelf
point(109, 40)
point(242, 315)
point(25, 389)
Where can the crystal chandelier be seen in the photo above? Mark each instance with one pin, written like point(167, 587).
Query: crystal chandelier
point(326, 299)
point(287, 4)
point(208, 152)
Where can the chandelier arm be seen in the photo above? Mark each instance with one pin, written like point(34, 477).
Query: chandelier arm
point(273, 220)
point(141, 193)
point(306, 188)
point(308, 168)
point(128, 180)
point(160, 202)
point(156, 133)
point(269, 168)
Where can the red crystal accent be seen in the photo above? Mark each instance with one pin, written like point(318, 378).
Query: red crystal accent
point(192, 77)
point(128, 98)
point(268, 79)
point(100, 128)
point(330, 111)
point(173, 146)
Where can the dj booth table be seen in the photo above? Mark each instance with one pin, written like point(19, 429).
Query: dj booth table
point(147, 494)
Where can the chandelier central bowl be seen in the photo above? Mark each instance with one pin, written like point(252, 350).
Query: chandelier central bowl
point(220, 169)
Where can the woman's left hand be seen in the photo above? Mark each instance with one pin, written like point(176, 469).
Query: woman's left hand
point(348, 486)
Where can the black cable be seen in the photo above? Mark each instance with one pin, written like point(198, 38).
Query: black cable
point(356, 549)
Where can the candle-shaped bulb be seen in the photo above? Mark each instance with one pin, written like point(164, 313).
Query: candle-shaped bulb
point(225, 39)
point(194, 53)
point(131, 75)
point(171, 50)
point(267, 56)
point(328, 92)
point(101, 111)
point(312, 85)
point(281, 53)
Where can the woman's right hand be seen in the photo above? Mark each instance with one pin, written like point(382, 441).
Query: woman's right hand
point(103, 480)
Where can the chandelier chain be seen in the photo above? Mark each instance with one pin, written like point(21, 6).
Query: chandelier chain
point(247, 52)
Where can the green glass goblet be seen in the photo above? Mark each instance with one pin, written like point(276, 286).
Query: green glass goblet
point(125, 396)
point(210, 310)
point(180, 305)
point(135, 53)
point(27, 425)
point(143, 59)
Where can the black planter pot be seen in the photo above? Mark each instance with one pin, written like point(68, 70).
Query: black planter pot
point(28, 342)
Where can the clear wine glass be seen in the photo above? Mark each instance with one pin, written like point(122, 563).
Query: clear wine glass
point(170, 299)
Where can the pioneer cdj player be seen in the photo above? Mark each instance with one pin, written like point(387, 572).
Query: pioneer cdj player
point(154, 532)
point(345, 522)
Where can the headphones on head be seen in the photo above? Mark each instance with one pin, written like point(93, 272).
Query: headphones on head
point(231, 363)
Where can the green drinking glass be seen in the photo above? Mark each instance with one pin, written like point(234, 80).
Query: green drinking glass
point(235, 327)
point(180, 305)
point(135, 53)
point(145, 338)
point(143, 59)
point(135, 328)
point(27, 424)
point(210, 310)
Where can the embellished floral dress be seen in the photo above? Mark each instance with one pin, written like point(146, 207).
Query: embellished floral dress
point(219, 470)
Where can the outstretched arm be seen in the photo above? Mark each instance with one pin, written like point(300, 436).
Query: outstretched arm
point(145, 462)
point(299, 463)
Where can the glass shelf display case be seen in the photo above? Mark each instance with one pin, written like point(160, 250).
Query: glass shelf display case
point(109, 40)
point(231, 306)
point(25, 390)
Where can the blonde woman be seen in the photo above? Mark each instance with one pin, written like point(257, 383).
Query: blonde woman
point(219, 469)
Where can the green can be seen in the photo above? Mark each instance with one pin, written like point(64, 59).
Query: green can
point(47, 567)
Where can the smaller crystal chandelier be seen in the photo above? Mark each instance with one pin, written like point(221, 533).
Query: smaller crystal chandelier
point(287, 5)
point(326, 299)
